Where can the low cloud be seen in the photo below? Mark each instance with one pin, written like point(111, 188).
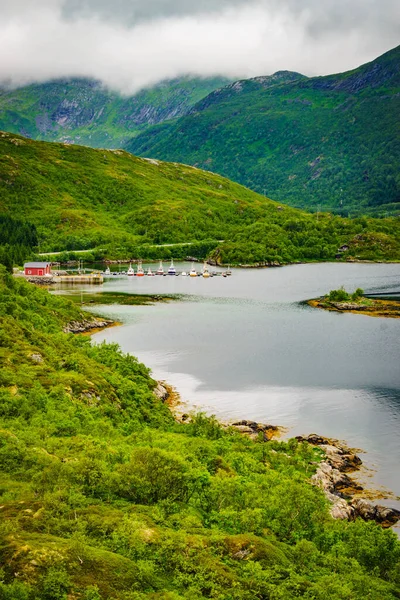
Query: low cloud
point(129, 45)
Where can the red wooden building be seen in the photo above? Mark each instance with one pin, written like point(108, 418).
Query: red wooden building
point(37, 269)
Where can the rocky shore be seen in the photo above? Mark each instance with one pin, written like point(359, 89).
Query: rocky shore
point(87, 325)
point(342, 491)
point(372, 308)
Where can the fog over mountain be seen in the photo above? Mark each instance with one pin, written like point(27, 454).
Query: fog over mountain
point(130, 44)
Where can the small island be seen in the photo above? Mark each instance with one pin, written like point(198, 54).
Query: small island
point(341, 301)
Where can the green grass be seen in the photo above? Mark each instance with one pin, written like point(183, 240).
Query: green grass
point(104, 496)
point(328, 141)
point(80, 198)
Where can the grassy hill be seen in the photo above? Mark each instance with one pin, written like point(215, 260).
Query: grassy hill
point(82, 111)
point(331, 141)
point(79, 197)
point(104, 497)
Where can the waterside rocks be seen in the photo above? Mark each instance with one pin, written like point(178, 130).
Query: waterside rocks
point(161, 392)
point(256, 430)
point(340, 489)
point(86, 325)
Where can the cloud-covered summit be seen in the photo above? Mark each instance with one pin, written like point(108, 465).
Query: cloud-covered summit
point(129, 44)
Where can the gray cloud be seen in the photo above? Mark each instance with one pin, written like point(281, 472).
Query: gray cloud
point(129, 44)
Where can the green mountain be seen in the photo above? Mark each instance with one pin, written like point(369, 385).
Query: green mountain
point(79, 197)
point(103, 496)
point(83, 111)
point(328, 141)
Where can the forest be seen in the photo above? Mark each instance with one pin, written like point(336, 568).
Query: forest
point(18, 239)
point(103, 495)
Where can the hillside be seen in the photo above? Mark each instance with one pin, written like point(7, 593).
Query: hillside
point(328, 141)
point(103, 496)
point(82, 111)
point(79, 197)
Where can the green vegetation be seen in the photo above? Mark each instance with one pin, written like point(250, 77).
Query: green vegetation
point(104, 496)
point(341, 295)
point(328, 141)
point(121, 298)
point(131, 207)
point(82, 111)
point(17, 240)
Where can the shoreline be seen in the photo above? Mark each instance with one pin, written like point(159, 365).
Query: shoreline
point(348, 498)
point(389, 309)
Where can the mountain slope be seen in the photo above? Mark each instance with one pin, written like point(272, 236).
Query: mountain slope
point(79, 197)
point(332, 141)
point(83, 111)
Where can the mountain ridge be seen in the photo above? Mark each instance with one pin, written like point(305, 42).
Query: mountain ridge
point(79, 110)
point(307, 141)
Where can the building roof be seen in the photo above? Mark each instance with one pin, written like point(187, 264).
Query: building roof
point(36, 265)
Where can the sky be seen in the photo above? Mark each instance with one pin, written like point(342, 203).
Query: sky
point(131, 44)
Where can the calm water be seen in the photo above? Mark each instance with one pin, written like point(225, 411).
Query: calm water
point(243, 347)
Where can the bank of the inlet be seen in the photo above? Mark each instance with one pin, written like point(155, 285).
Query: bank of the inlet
point(371, 307)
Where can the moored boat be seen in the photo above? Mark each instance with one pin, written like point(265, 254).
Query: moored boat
point(160, 270)
point(140, 272)
point(131, 270)
point(206, 272)
point(107, 271)
point(193, 272)
point(172, 270)
point(150, 273)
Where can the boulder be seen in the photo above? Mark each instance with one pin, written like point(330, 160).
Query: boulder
point(161, 392)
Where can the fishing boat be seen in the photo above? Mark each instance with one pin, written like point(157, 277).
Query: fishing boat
point(160, 270)
point(140, 272)
point(150, 273)
point(130, 271)
point(206, 272)
point(193, 272)
point(172, 270)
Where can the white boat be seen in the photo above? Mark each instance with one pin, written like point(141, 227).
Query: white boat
point(172, 270)
point(107, 271)
point(184, 274)
point(205, 270)
point(160, 270)
point(140, 272)
point(150, 273)
point(193, 272)
point(130, 271)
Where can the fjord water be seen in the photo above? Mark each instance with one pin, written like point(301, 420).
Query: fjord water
point(245, 347)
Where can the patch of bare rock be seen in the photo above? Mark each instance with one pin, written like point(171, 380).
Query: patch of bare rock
point(87, 325)
point(255, 431)
point(340, 489)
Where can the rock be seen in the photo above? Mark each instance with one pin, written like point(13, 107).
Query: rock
point(341, 510)
point(387, 516)
point(313, 438)
point(37, 358)
point(251, 424)
point(161, 392)
point(243, 428)
point(383, 515)
point(364, 509)
point(86, 325)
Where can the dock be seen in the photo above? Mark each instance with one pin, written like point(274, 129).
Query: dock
point(93, 278)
